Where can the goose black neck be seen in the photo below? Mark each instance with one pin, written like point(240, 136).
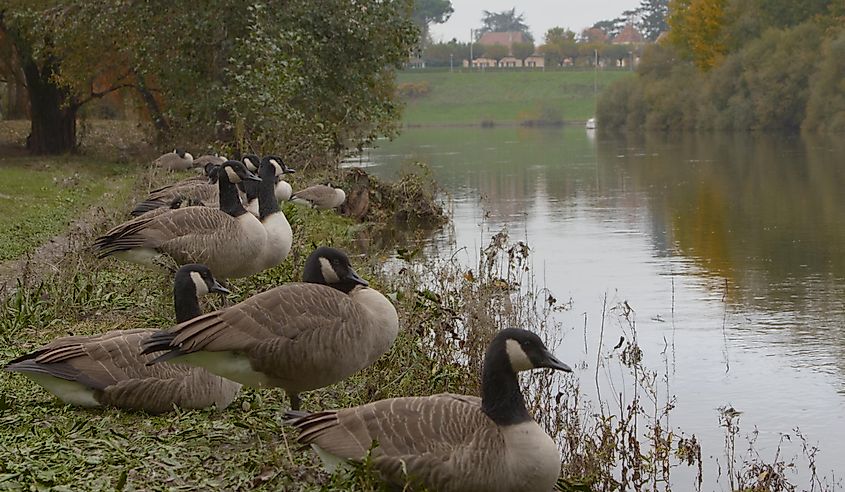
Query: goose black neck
point(230, 201)
point(185, 301)
point(501, 396)
point(267, 204)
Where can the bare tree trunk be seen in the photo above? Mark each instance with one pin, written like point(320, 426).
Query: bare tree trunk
point(52, 111)
point(159, 121)
point(17, 103)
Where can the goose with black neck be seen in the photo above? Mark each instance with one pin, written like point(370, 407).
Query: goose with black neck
point(450, 442)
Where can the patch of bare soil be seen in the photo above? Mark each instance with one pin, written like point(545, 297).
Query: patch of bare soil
point(47, 258)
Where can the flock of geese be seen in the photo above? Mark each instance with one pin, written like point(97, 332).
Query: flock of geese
point(298, 336)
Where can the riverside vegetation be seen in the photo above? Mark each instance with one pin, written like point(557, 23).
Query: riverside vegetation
point(448, 311)
point(738, 65)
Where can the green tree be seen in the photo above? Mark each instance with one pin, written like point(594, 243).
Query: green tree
point(301, 80)
point(438, 54)
point(505, 21)
point(522, 50)
point(560, 44)
point(653, 15)
point(698, 30)
point(427, 12)
point(495, 51)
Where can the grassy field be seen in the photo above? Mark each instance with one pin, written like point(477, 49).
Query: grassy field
point(501, 97)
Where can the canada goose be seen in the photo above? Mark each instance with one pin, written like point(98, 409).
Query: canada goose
point(319, 196)
point(298, 336)
point(227, 239)
point(451, 442)
point(109, 370)
point(282, 189)
point(196, 190)
point(204, 160)
point(176, 160)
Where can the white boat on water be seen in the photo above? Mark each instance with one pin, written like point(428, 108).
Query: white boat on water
point(591, 124)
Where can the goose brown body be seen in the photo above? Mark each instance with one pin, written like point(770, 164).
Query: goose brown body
point(109, 369)
point(197, 190)
point(444, 442)
point(319, 196)
point(451, 442)
point(298, 336)
point(175, 161)
point(110, 365)
point(228, 240)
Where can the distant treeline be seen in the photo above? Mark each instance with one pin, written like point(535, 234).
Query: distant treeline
point(738, 65)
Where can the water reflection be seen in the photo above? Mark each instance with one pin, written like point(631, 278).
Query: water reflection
point(738, 238)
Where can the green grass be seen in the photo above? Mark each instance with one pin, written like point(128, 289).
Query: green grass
point(40, 197)
point(470, 98)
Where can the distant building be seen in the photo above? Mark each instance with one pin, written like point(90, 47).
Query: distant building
point(628, 35)
point(510, 61)
point(482, 63)
point(535, 61)
point(506, 39)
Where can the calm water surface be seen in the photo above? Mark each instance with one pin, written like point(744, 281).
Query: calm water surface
point(743, 234)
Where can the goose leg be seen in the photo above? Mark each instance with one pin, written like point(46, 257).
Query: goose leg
point(294, 401)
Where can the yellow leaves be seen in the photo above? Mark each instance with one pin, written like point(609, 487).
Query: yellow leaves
point(696, 27)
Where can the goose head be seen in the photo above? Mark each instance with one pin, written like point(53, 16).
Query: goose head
point(511, 351)
point(279, 165)
point(236, 171)
point(251, 161)
point(183, 154)
point(212, 171)
point(330, 266)
point(200, 277)
point(523, 351)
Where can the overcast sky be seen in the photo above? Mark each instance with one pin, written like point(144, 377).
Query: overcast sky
point(540, 15)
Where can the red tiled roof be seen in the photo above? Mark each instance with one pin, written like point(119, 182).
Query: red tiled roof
point(502, 38)
point(628, 35)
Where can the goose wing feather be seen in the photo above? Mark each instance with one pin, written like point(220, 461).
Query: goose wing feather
point(178, 232)
point(195, 190)
point(111, 363)
point(435, 439)
point(286, 332)
point(316, 194)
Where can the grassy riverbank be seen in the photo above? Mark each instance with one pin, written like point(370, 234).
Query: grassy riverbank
point(436, 98)
point(448, 312)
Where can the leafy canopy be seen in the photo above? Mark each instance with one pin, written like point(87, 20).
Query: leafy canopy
point(303, 77)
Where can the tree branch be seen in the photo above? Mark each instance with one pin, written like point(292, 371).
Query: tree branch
point(98, 95)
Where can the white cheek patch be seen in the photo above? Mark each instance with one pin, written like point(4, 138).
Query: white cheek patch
point(328, 272)
point(278, 168)
point(233, 176)
point(199, 283)
point(518, 358)
point(250, 165)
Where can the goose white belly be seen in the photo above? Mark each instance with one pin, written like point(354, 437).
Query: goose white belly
point(142, 256)
point(68, 391)
point(253, 238)
point(279, 240)
point(229, 365)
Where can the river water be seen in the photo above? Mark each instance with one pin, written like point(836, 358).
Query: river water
point(728, 247)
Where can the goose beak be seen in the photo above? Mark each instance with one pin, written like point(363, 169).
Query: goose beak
point(355, 278)
point(250, 176)
point(216, 287)
point(553, 363)
point(289, 170)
